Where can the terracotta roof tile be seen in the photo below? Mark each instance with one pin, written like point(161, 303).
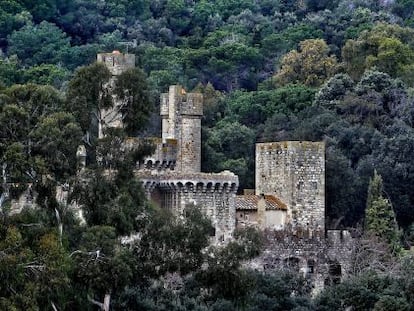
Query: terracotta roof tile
point(249, 202)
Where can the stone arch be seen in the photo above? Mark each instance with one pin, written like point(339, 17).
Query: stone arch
point(217, 186)
point(200, 186)
point(148, 164)
point(189, 186)
point(226, 187)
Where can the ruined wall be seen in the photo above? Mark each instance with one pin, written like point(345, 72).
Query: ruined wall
point(323, 261)
point(294, 171)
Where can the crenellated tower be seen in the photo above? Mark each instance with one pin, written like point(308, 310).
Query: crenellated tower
point(294, 171)
point(181, 114)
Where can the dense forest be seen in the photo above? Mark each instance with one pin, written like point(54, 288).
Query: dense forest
point(339, 71)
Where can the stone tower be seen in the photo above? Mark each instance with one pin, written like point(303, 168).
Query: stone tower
point(117, 63)
point(181, 114)
point(294, 171)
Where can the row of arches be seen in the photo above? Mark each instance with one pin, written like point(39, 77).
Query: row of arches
point(193, 186)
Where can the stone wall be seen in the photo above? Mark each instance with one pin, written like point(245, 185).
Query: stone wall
point(213, 193)
point(294, 171)
point(181, 114)
point(323, 261)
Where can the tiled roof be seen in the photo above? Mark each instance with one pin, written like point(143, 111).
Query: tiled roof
point(249, 202)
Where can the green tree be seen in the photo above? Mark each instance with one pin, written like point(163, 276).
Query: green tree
point(389, 48)
point(87, 94)
point(132, 89)
point(311, 65)
point(38, 44)
point(379, 216)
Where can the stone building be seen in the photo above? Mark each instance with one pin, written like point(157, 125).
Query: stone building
point(172, 176)
point(294, 172)
point(288, 202)
point(117, 63)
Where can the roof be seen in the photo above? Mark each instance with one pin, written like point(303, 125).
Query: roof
point(249, 202)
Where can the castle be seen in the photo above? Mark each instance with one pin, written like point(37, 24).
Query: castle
point(288, 202)
point(290, 176)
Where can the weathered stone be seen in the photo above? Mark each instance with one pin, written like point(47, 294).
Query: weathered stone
point(294, 171)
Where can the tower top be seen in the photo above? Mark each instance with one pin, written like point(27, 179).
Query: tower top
point(116, 61)
point(181, 102)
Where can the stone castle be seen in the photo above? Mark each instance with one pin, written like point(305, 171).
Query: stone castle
point(288, 202)
point(290, 176)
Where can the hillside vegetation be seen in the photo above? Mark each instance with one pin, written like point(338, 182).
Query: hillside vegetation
point(339, 71)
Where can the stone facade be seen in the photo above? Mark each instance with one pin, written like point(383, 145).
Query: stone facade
point(322, 260)
point(214, 193)
point(181, 121)
point(294, 171)
point(172, 176)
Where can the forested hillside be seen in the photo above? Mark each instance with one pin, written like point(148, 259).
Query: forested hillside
point(339, 71)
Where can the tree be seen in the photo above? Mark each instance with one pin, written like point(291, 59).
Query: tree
point(310, 65)
point(389, 48)
point(88, 93)
point(38, 44)
point(379, 216)
point(131, 88)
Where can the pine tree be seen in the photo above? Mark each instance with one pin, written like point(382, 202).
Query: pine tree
point(379, 215)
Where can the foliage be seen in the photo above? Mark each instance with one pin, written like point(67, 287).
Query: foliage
point(39, 44)
point(380, 218)
point(389, 48)
point(310, 65)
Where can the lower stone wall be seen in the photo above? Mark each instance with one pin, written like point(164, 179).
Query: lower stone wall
point(322, 260)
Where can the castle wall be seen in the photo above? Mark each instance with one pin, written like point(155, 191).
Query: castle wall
point(323, 261)
point(294, 171)
point(213, 193)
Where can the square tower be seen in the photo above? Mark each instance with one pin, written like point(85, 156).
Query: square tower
point(294, 171)
point(181, 114)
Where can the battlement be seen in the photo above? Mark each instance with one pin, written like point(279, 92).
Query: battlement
point(291, 146)
point(213, 193)
point(294, 171)
point(190, 104)
point(116, 61)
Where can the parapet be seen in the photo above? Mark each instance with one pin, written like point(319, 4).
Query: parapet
point(116, 61)
point(291, 145)
point(204, 182)
point(190, 104)
point(164, 157)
